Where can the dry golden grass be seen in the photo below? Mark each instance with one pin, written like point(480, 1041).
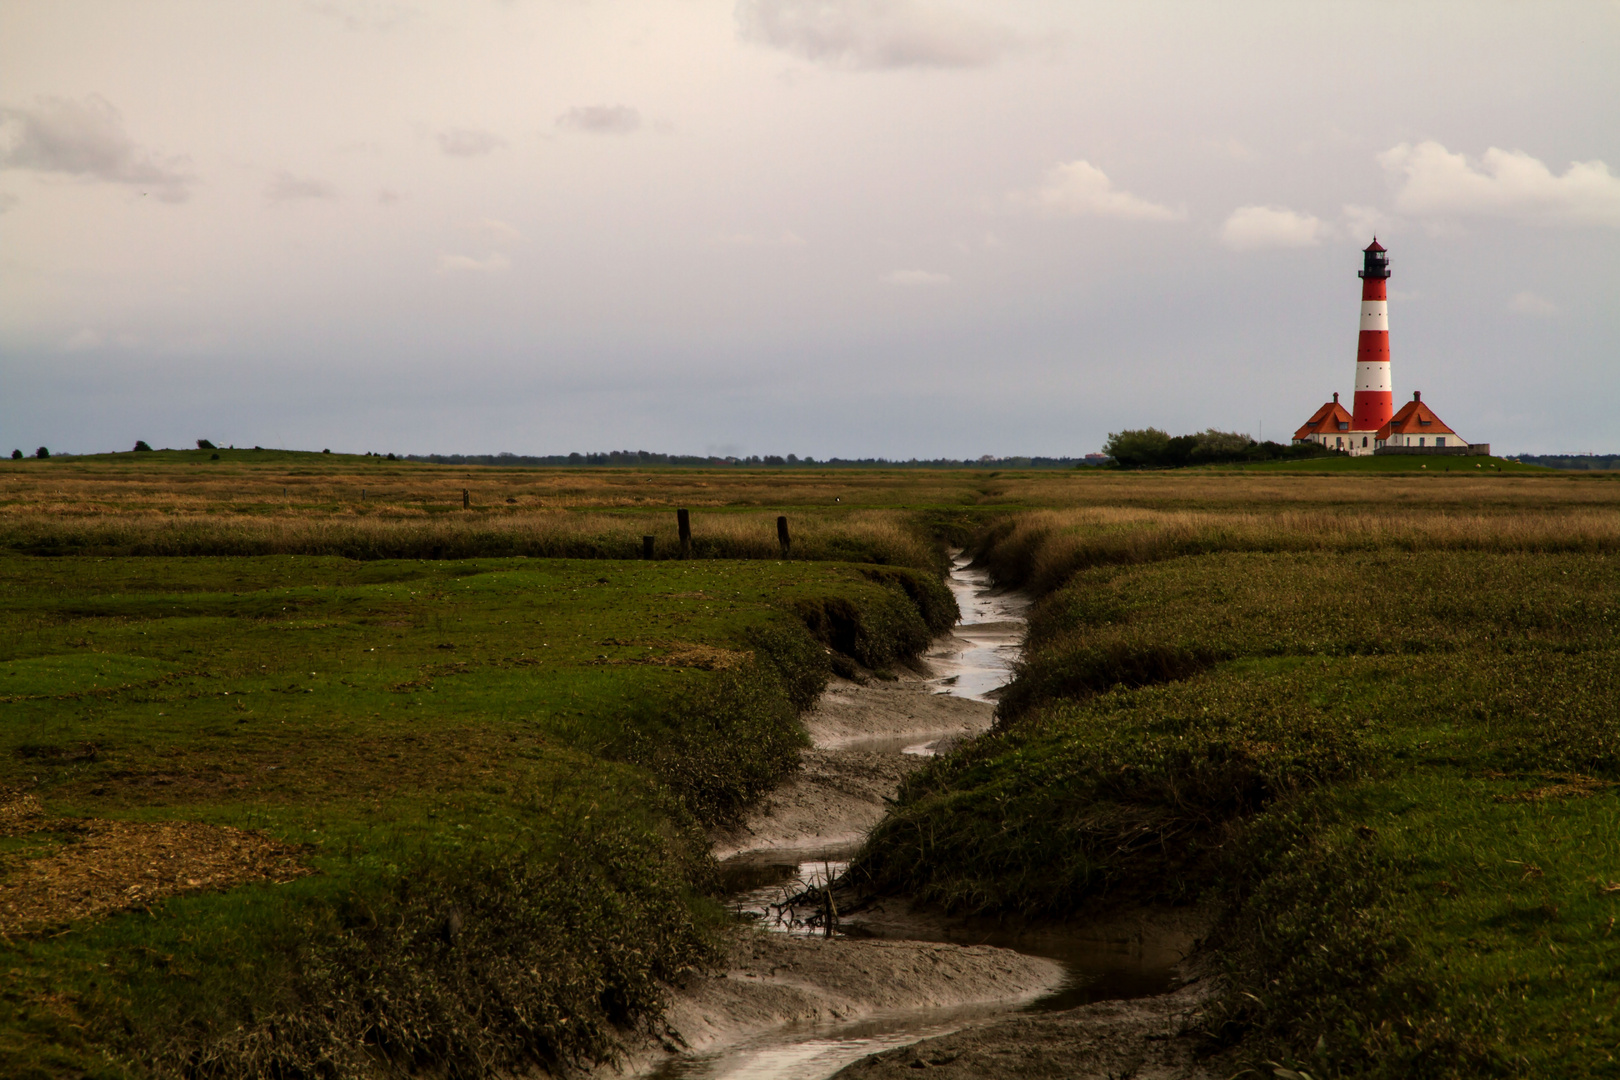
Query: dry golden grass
point(117, 865)
point(1043, 548)
point(880, 536)
point(272, 502)
point(191, 483)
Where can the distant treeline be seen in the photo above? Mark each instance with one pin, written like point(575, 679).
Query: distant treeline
point(771, 461)
point(1150, 448)
point(1571, 461)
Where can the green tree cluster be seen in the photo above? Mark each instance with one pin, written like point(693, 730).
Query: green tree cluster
point(1150, 448)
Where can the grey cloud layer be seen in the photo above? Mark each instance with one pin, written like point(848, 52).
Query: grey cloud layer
point(873, 34)
point(601, 119)
point(85, 139)
point(885, 226)
point(469, 142)
point(289, 188)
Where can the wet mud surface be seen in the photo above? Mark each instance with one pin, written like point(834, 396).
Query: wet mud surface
point(898, 987)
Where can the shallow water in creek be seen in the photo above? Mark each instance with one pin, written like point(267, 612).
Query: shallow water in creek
point(974, 661)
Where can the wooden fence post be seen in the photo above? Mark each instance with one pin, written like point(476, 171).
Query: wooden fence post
point(646, 547)
point(684, 520)
point(782, 535)
point(466, 500)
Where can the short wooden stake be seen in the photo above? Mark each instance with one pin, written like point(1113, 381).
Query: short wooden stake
point(684, 520)
point(646, 547)
point(782, 535)
point(466, 500)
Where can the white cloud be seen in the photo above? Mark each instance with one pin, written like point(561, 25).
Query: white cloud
point(289, 188)
point(914, 278)
point(1528, 303)
point(85, 139)
point(496, 231)
point(601, 119)
point(873, 34)
point(493, 263)
point(7, 201)
point(1434, 182)
point(1251, 228)
point(1080, 189)
point(469, 142)
point(1366, 221)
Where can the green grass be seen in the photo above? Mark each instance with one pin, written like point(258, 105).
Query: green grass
point(532, 745)
point(1393, 772)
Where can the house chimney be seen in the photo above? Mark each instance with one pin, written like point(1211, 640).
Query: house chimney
point(1417, 395)
point(1335, 397)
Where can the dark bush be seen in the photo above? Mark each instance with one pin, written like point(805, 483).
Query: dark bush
point(204, 444)
point(16, 455)
point(1134, 449)
point(42, 453)
point(140, 445)
point(1150, 448)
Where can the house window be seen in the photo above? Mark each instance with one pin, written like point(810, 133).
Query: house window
point(1339, 443)
point(1364, 440)
point(1344, 425)
point(1439, 440)
point(1420, 440)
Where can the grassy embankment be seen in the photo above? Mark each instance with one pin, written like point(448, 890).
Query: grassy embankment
point(1384, 740)
point(299, 815)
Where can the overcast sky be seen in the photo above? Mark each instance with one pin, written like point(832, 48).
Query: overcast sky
point(827, 227)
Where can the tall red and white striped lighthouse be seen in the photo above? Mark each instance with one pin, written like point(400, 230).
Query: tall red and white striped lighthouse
point(1374, 403)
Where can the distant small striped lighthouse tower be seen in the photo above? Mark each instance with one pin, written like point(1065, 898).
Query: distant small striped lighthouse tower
point(1374, 403)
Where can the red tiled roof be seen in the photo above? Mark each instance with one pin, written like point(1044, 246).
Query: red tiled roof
point(1326, 420)
point(1374, 246)
point(1414, 418)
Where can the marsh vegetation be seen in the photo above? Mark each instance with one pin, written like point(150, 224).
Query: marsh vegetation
point(332, 775)
point(1383, 740)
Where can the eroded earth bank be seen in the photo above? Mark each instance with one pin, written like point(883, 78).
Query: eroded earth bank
point(900, 987)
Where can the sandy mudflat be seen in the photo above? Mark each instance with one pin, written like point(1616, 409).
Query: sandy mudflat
point(1140, 1039)
point(776, 984)
point(855, 765)
point(779, 979)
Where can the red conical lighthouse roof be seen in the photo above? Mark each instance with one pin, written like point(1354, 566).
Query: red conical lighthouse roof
point(1374, 246)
